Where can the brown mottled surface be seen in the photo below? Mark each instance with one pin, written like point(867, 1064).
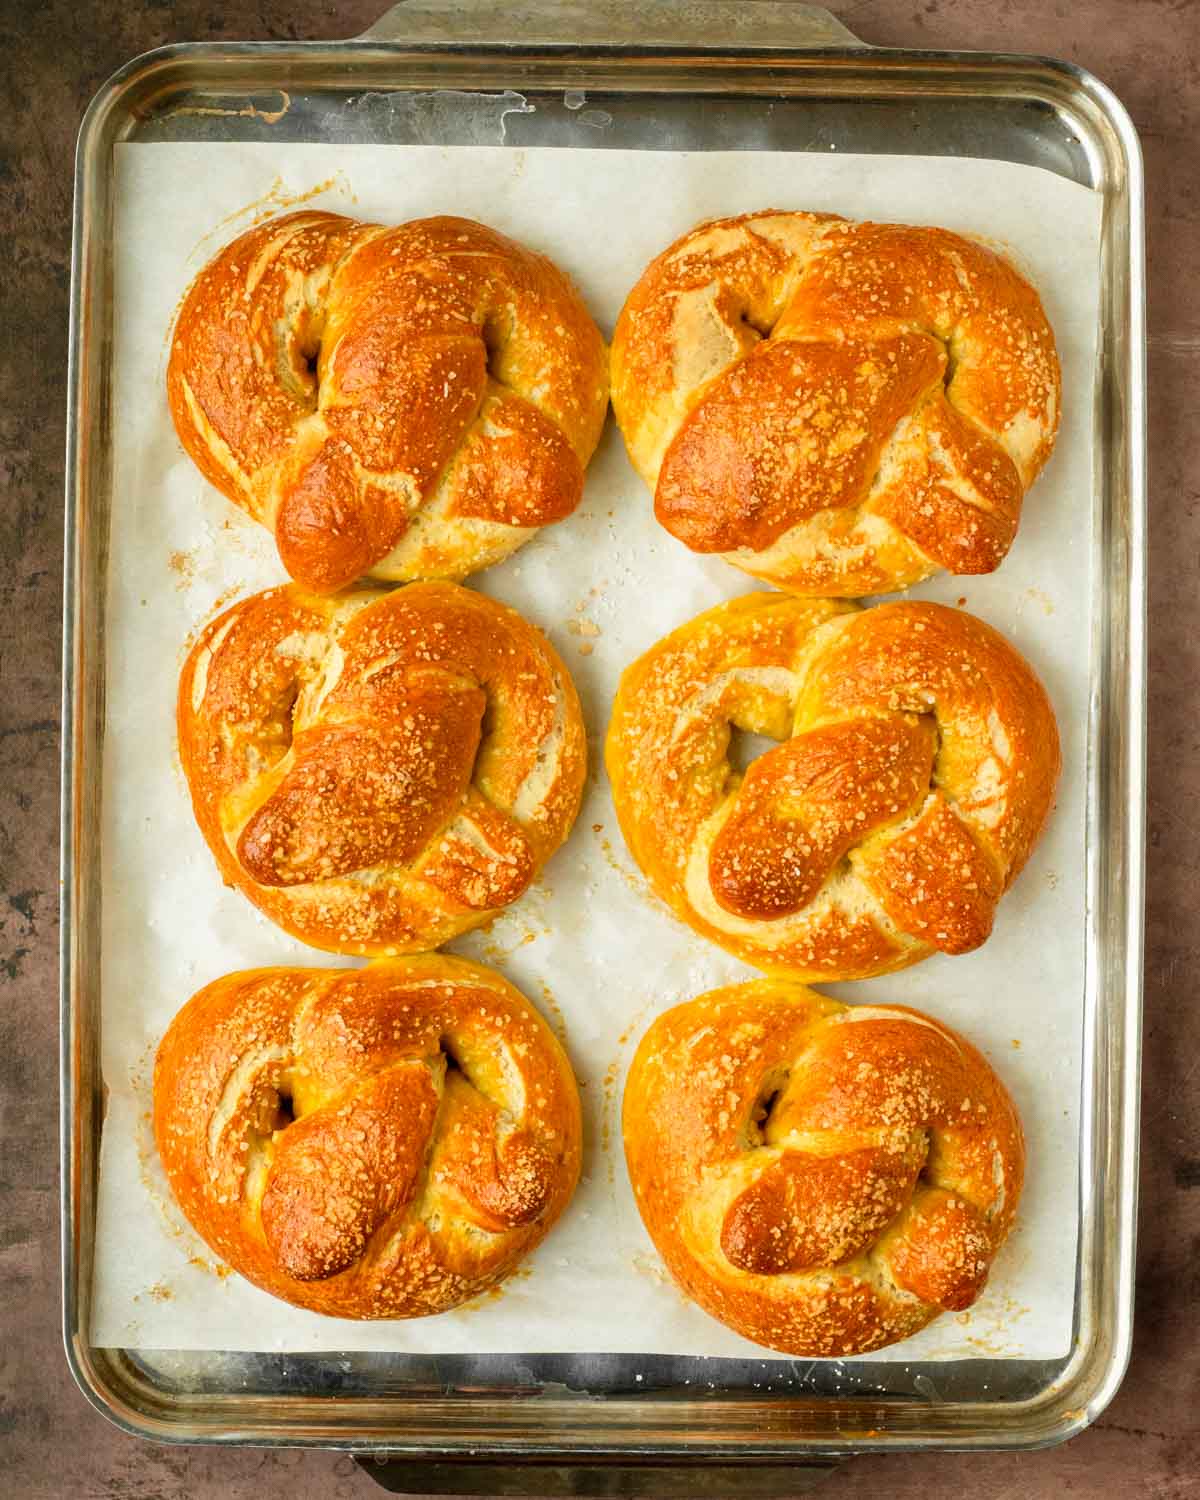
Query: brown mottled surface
point(762, 366)
point(53, 56)
point(917, 745)
point(434, 1133)
point(458, 378)
point(824, 1179)
point(340, 774)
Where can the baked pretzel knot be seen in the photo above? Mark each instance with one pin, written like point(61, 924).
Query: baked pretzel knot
point(380, 771)
point(824, 1179)
point(838, 408)
point(407, 402)
point(918, 762)
point(371, 1143)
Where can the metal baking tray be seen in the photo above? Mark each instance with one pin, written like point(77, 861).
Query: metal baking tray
point(710, 75)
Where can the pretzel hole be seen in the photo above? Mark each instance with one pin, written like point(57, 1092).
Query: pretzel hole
point(275, 1111)
point(487, 728)
point(285, 1110)
point(456, 1064)
point(282, 718)
point(453, 1057)
point(953, 359)
point(496, 333)
point(745, 747)
point(760, 1112)
point(927, 713)
point(491, 1075)
point(299, 354)
point(761, 326)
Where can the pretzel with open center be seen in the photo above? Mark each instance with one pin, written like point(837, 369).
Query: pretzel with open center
point(918, 763)
point(824, 1179)
point(370, 1143)
point(838, 408)
point(379, 772)
point(408, 402)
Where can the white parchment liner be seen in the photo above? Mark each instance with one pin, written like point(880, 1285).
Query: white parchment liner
point(588, 943)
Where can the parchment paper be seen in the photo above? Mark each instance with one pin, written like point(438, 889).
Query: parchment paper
point(588, 943)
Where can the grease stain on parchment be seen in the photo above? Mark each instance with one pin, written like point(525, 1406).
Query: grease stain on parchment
point(153, 1180)
point(276, 198)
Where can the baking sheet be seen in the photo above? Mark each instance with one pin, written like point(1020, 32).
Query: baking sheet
point(588, 944)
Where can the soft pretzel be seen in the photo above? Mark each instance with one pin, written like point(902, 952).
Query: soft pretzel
point(824, 1179)
point(379, 772)
point(407, 402)
point(918, 763)
point(839, 408)
point(371, 1143)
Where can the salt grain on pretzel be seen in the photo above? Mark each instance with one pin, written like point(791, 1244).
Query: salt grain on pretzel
point(917, 765)
point(369, 1143)
point(838, 408)
point(824, 1179)
point(408, 402)
point(379, 772)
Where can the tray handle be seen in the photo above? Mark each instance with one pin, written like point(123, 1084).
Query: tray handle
point(743, 1481)
point(762, 24)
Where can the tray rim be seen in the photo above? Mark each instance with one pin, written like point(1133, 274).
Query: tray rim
point(1081, 1393)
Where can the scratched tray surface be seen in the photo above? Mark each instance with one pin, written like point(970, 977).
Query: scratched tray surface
point(1029, 131)
point(923, 105)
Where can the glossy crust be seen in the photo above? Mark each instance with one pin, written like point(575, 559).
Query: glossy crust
point(379, 772)
point(918, 761)
point(839, 408)
point(408, 402)
point(371, 1143)
point(824, 1179)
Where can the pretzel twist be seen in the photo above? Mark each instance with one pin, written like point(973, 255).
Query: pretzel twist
point(370, 1143)
point(408, 402)
point(917, 767)
point(824, 1179)
point(380, 771)
point(838, 408)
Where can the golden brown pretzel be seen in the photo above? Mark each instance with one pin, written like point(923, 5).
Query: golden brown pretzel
point(918, 762)
point(838, 408)
point(824, 1179)
point(407, 402)
point(379, 771)
point(372, 1143)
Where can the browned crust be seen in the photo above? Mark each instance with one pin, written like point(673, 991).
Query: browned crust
point(840, 408)
point(435, 1139)
point(341, 381)
point(380, 771)
point(823, 1179)
point(918, 762)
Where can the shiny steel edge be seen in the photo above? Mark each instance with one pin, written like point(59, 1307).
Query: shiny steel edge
point(1112, 1062)
point(1084, 1390)
point(77, 1205)
point(1136, 718)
